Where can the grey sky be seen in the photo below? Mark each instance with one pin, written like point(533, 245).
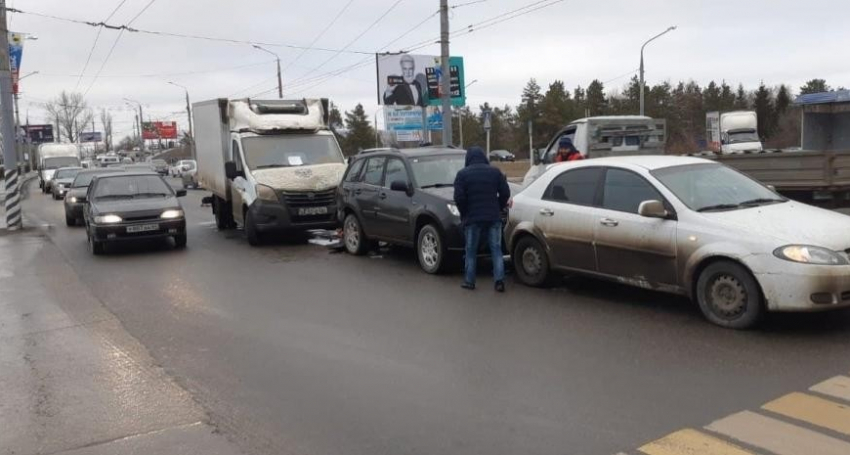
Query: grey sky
point(777, 41)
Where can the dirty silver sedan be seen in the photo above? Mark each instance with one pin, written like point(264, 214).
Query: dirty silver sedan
point(682, 225)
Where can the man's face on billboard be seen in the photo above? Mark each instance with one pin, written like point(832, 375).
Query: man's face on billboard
point(407, 69)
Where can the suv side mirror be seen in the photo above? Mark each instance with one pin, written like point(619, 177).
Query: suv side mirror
point(230, 170)
point(401, 186)
point(652, 209)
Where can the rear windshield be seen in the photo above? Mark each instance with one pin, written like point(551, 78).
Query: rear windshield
point(84, 179)
point(132, 187)
point(66, 173)
point(60, 161)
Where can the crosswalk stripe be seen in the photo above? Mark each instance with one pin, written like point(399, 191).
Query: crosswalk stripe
point(776, 436)
point(691, 442)
point(814, 410)
point(838, 387)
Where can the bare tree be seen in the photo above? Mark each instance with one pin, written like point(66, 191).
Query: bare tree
point(72, 114)
point(106, 121)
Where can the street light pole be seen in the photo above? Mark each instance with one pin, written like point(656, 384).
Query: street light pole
point(460, 117)
point(279, 75)
point(670, 29)
point(141, 123)
point(189, 115)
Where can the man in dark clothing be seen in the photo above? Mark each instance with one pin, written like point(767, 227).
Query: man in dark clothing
point(481, 194)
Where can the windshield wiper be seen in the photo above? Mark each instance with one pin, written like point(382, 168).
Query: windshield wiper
point(761, 201)
point(115, 196)
point(268, 166)
point(150, 195)
point(438, 185)
point(711, 208)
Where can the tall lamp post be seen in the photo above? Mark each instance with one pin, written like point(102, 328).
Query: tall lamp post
point(188, 116)
point(279, 77)
point(670, 29)
point(18, 116)
point(460, 117)
point(141, 123)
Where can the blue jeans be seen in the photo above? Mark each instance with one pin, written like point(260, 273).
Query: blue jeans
point(472, 233)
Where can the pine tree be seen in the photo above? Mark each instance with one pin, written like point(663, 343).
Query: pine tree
point(712, 98)
point(765, 111)
point(361, 135)
point(815, 86)
point(783, 99)
point(727, 97)
point(529, 110)
point(597, 103)
point(742, 101)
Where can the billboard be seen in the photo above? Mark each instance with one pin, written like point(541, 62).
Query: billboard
point(16, 51)
point(406, 80)
point(91, 136)
point(159, 130)
point(39, 134)
point(409, 118)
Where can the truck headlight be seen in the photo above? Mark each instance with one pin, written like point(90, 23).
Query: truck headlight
point(266, 193)
point(171, 214)
point(107, 219)
point(453, 209)
point(807, 254)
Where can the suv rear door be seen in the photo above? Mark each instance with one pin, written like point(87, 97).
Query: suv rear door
point(393, 207)
point(366, 193)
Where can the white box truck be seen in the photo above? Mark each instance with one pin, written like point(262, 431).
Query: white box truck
point(272, 166)
point(597, 137)
point(53, 156)
point(732, 132)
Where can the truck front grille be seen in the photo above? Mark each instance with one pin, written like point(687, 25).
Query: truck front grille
point(309, 198)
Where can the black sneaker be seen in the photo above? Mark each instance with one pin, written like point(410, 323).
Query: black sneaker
point(500, 286)
point(470, 286)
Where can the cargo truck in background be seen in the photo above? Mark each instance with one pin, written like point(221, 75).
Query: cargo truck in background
point(272, 166)
point(53, 156)
point(597, 137)
point(732, 132)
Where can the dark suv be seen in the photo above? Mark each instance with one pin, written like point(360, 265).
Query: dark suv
point(404, 198)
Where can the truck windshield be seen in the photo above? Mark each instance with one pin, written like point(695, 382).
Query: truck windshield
point(60, 161)
point(739, 136)
point(290, 150)
point(715, 187)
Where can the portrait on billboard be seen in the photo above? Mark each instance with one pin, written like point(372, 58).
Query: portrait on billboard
point(402, 80)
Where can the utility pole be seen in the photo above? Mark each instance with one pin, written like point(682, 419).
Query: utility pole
point(189, 117)
point(446, 79)
point(670, 29)
point(7, 128)
point(141, 124)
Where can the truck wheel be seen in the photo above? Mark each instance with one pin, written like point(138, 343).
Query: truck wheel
point(355, 239)
point(531, 263)
point(223, 217)
point(251, 232)
point(729, 296)
point(430, 250)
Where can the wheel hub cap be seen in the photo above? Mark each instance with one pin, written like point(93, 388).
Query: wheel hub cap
point(352, 236)
point(531, 261)
point(728, 296)
point(428, 250)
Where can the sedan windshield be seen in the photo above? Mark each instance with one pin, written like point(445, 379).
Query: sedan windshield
point(714, 187)
point(66, 174)
point(290, 150)
point(131, 187)
point(436, 171)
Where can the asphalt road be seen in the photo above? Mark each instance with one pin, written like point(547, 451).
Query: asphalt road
point(295, 350)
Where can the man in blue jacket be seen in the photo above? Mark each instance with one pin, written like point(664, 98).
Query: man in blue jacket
point(481, 194)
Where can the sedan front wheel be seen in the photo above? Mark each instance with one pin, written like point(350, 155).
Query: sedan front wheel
point(729, 296)
point(430, 250)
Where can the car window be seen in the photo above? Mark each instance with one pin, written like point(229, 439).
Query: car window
point(374, 170)
point(395, 171)
point(624, 191)
point(354, 171)
point(576, 186)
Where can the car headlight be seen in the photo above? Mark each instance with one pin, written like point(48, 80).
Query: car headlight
point(171, 214)
point(807, 254)
point(266, 193)
point(73, 200)
point(453, 209)
point(107, 219)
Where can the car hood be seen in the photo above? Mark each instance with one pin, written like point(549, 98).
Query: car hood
point(791, 222)
point(65, 182)
point(147, 207)
point(302, 178)
point(448, 192)
point(78, 192)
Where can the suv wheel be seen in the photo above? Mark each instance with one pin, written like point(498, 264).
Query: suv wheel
point(353, 236)
point(729, 296)
point(531, 263)
point(430, 250)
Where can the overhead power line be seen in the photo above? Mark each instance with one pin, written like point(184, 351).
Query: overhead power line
point(320, 35)
point(128, 28)
point(94, 44)
point(174, 74)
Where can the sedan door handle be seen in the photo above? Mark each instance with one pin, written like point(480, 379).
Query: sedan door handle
point(609, 222)
point(547, 212)
point(358, 191)
point(383, 195)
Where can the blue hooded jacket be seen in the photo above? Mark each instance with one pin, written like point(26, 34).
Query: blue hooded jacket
point(481, 190)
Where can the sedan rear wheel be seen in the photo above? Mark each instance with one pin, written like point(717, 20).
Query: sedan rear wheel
point(531, 262)
point(729, 296)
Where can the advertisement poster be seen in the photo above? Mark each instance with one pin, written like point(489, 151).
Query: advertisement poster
point(91, 136)
point(413, 80)
point(39, 134)
point(409, 118)
point(16, 52)
point(159, 130)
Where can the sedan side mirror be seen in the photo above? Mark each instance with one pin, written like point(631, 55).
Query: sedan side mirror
point(652, 209)
point(401, 186)
point(230, 170)
point(180, 193)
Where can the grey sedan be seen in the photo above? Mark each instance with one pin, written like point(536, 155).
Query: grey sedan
point(683, 225)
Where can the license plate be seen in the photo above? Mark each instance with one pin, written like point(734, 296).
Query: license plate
point(307, 211)
point(143, 228)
